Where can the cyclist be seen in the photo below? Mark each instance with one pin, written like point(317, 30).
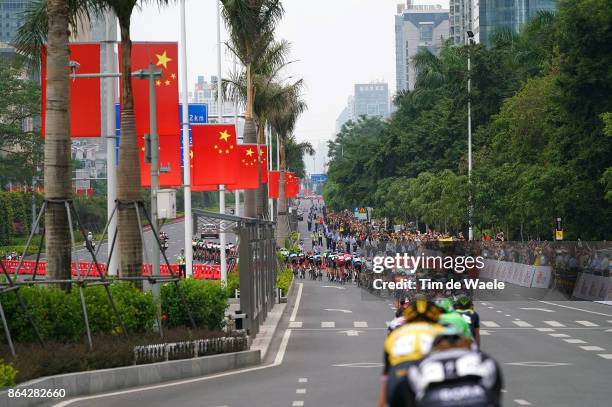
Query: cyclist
point(454, 374)
point(465, 308)
point(406, 346)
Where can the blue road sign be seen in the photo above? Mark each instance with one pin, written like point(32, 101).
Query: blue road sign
point(318, 178)
point(198, 114)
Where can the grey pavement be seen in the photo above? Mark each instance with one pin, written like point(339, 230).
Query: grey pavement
point(328, 352)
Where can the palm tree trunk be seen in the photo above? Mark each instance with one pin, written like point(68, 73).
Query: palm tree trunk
point(249, 136)
point(58, 183)
point(282, 224)
point(128, 176)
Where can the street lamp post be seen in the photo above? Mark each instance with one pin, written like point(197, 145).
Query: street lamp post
point(469, 107)
point(152, 74)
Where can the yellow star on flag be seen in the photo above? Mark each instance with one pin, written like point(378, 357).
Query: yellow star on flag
point(173, 76)
point(163, 60)
point(158, 82)
point(249, 152)
point(224, 135)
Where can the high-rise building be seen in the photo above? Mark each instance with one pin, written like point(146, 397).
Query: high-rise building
point(417, 27)
point(346, 114)
point(371, 99)
point(483, 17)
point(10, 20)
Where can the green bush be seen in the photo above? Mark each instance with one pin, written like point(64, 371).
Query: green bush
point(206, 299)
point(58, 315)
point(137, 308)
point(283, 280)
point(7, 374)
point(233, 283)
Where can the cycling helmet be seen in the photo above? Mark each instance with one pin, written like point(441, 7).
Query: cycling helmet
point(446, 304)
point(455, 325)
point(422, 309)
point(463, 302)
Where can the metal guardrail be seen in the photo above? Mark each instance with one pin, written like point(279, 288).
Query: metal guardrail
point(256, 262)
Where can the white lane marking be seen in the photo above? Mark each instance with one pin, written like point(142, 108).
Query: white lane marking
point(498, 311)
point(522, 402)
point(490, 307)
point(483, 332)
point(333, 286)
point(346, 311)
point(592, 348)
point(559, 335)
point(538, 309)
point(574, 308)
point(303, 380)
point(297, 303)
point(545, 329)
point(360, 324)
point(300, 391)
point(504, 391)
point(605, 355)
point(554, 323)
point(350, 332)
point(328, 324)
point(295, 324)
point(277, 361)
point(571, 340)
point(490, 324)
point(282, 348)
point(539, 364)
point(508, 315)
point(522, 324)
point(298, 403)
point(586, 323)
point(360, 364)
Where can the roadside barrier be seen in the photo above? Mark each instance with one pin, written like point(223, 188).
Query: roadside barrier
point(200, 271)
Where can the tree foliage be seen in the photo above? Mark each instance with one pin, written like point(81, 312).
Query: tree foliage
point(541, 102)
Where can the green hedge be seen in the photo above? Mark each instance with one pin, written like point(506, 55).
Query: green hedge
point(207, 301)
point(283, 280)
point(58, 314)
point(7, 374)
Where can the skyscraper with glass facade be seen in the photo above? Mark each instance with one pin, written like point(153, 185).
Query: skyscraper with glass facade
point(10, 14)
point(416, 27)
point(483, 17)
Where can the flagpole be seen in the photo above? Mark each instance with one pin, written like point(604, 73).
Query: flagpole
point(111, 136)
point(237, 192)
point(269, 163)
point(186, 149)
point(220, 115)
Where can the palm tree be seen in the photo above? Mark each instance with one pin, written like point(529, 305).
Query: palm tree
point(283, 123)
point(32, 35)
point(50, 21)
point(269, 96)
point(251, 25)
point(128, 171)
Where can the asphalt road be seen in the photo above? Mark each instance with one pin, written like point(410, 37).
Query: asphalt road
point(329, 346)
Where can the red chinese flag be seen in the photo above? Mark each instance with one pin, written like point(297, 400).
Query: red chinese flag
point(169, 159)
point(247, 168)
point(214, 154)
point(263, 153)
point(292, 185)
point(204, 188)
point(163, 56)
point(85, 118)
point(273, 181)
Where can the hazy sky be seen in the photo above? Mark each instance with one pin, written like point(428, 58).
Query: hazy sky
point(336, 43)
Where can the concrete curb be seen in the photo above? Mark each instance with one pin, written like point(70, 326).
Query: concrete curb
point(268, 330)
point(101, 381)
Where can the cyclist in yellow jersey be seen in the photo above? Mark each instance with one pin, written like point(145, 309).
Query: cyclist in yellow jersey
point(406, 346)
